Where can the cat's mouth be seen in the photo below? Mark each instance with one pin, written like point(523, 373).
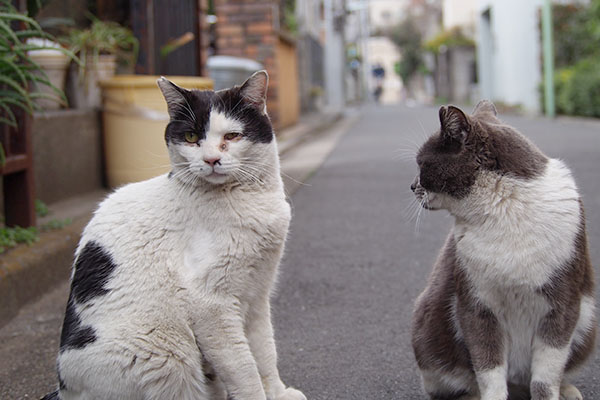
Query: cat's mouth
point(216, 177)
point(425, 198)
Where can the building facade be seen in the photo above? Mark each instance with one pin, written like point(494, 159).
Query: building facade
point(509, 52)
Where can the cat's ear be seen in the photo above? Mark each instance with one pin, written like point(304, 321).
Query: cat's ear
point(485, 106)
point(254, 90)
point(175, 96)
point(454, 123)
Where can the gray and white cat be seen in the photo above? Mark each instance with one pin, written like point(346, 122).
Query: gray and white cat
point(509, 305)
point(172, 278)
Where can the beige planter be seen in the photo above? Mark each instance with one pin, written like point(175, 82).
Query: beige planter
point(134, 120)
point(54, 64)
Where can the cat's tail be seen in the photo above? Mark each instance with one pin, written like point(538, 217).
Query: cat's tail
point(51, 396)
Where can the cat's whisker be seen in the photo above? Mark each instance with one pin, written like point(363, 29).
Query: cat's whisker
point(260, 164)
point(420, 214)
point(247, 174)
point(409, 210)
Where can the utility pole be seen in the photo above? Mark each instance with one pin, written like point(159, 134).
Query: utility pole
point(334, 57)
point(548, 59)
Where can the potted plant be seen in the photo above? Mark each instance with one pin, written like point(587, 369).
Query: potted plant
point(53, 62)
point(18, 74)
point(101, 46)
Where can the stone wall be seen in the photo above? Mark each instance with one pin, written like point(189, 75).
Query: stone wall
point(67, 154)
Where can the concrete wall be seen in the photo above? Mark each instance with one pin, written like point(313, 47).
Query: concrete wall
point(67, 154)
point(509, 51)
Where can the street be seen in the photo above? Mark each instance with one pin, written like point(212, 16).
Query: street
point(355, 261)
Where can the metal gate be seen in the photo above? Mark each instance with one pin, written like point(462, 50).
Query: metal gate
point(169, 34)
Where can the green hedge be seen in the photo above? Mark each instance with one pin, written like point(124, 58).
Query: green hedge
point(578, 88)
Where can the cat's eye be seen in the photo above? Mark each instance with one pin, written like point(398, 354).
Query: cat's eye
point(232, 135)
point(191, 137)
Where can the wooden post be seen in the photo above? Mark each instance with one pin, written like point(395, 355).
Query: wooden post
point(17, 173)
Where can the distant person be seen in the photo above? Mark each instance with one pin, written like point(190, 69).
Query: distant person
point(379, 75)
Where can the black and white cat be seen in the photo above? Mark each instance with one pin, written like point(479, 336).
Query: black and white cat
point(509, 304)
point(172, 277)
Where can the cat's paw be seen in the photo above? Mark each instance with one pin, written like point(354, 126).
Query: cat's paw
point(570, 392)
point(291, 394)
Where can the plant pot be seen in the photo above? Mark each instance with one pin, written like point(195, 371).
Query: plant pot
point(84, 89)
point(54, 64)
point(134, 117)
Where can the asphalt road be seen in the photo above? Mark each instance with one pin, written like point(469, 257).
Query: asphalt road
point(355, 262)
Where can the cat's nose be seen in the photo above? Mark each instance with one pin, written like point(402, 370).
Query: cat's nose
point(413, 186)
point(212, 161)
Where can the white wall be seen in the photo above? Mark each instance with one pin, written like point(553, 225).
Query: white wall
point(386, 13)
point(460, 13)
point(509, 52)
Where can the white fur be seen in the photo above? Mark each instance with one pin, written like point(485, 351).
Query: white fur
point(518, 232)
point(492, 384)
point(548, 364)
point(512, 235)
point(196, 263)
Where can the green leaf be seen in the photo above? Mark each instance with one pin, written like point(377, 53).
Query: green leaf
point(10, 115)
point(18, 71)
point(13, 84)
point(6, 28)
point(46, 82)
point(9, 123)
point(14, 101)
point(2, 155)
point(20, 17)
point(32, 33)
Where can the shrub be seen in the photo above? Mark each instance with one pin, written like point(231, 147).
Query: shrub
point(578, 88)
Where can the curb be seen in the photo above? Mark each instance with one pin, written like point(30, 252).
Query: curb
point(311, 125)
point(27, 272)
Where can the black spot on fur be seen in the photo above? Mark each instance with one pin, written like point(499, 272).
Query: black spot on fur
point(74, 335)
point(61, 383)
point(51, 396)
point(93, 269)
point(190, 112)
point(257, 126)
point(191, 116)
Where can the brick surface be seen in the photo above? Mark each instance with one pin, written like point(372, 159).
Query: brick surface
point(261, 28)
point(245, 28)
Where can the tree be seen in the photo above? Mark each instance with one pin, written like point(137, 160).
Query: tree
point(407, 36)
